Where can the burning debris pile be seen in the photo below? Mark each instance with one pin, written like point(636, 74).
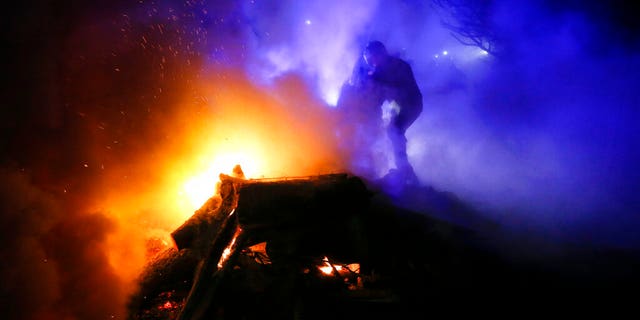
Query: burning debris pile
point(289, 248)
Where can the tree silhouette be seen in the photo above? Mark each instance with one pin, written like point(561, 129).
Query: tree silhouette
point(469, 22)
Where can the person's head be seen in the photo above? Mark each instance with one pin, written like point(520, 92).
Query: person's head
point(375, 53)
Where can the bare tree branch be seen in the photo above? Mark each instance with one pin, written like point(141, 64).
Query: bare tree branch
point(469, 22)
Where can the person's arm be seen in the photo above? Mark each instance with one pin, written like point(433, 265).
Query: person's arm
point(360, 74)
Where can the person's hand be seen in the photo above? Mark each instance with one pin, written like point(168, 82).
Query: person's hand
point(371, 70)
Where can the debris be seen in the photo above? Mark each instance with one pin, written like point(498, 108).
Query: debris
point(262, 246)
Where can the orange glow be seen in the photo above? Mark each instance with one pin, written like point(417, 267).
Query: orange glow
point(328, 268)
point(167, 306)
point(222, 121)
point(202, 186)
point(354, 267)
point(227, 251)
point(268, 137)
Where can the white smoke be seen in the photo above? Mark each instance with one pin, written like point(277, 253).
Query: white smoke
point(316, 38)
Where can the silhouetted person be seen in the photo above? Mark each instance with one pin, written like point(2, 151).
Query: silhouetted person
point(359, 106)
point(395, 83)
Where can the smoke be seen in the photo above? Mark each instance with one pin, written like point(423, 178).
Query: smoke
point(55, 266)
point(315, 38)
point(115, 107)
point(76, 126)
point(540, 136)
point(543, 136)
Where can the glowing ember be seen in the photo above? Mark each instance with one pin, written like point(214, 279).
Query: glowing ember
point(167, 306)
point(328, 267)
point(354, 267)
point(259, 253)
point(229, 249)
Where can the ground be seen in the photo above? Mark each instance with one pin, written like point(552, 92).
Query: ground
point(413, 264)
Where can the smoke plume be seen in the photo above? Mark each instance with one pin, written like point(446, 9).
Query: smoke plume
point(537, 133)
point(115, 110)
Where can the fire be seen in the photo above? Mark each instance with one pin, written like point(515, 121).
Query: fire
point(227, 251)
point(167, 306)
point(267, 132)
point(222, 121)
point(202, 185)
point(328, 268)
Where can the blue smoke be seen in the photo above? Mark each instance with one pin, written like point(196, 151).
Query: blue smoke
point(542, 136)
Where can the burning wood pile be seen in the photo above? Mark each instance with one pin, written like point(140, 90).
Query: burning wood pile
point(282, 248)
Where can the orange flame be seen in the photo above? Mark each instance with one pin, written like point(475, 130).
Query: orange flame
point(229, 249)
point(328, 268)
point(222, 121)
